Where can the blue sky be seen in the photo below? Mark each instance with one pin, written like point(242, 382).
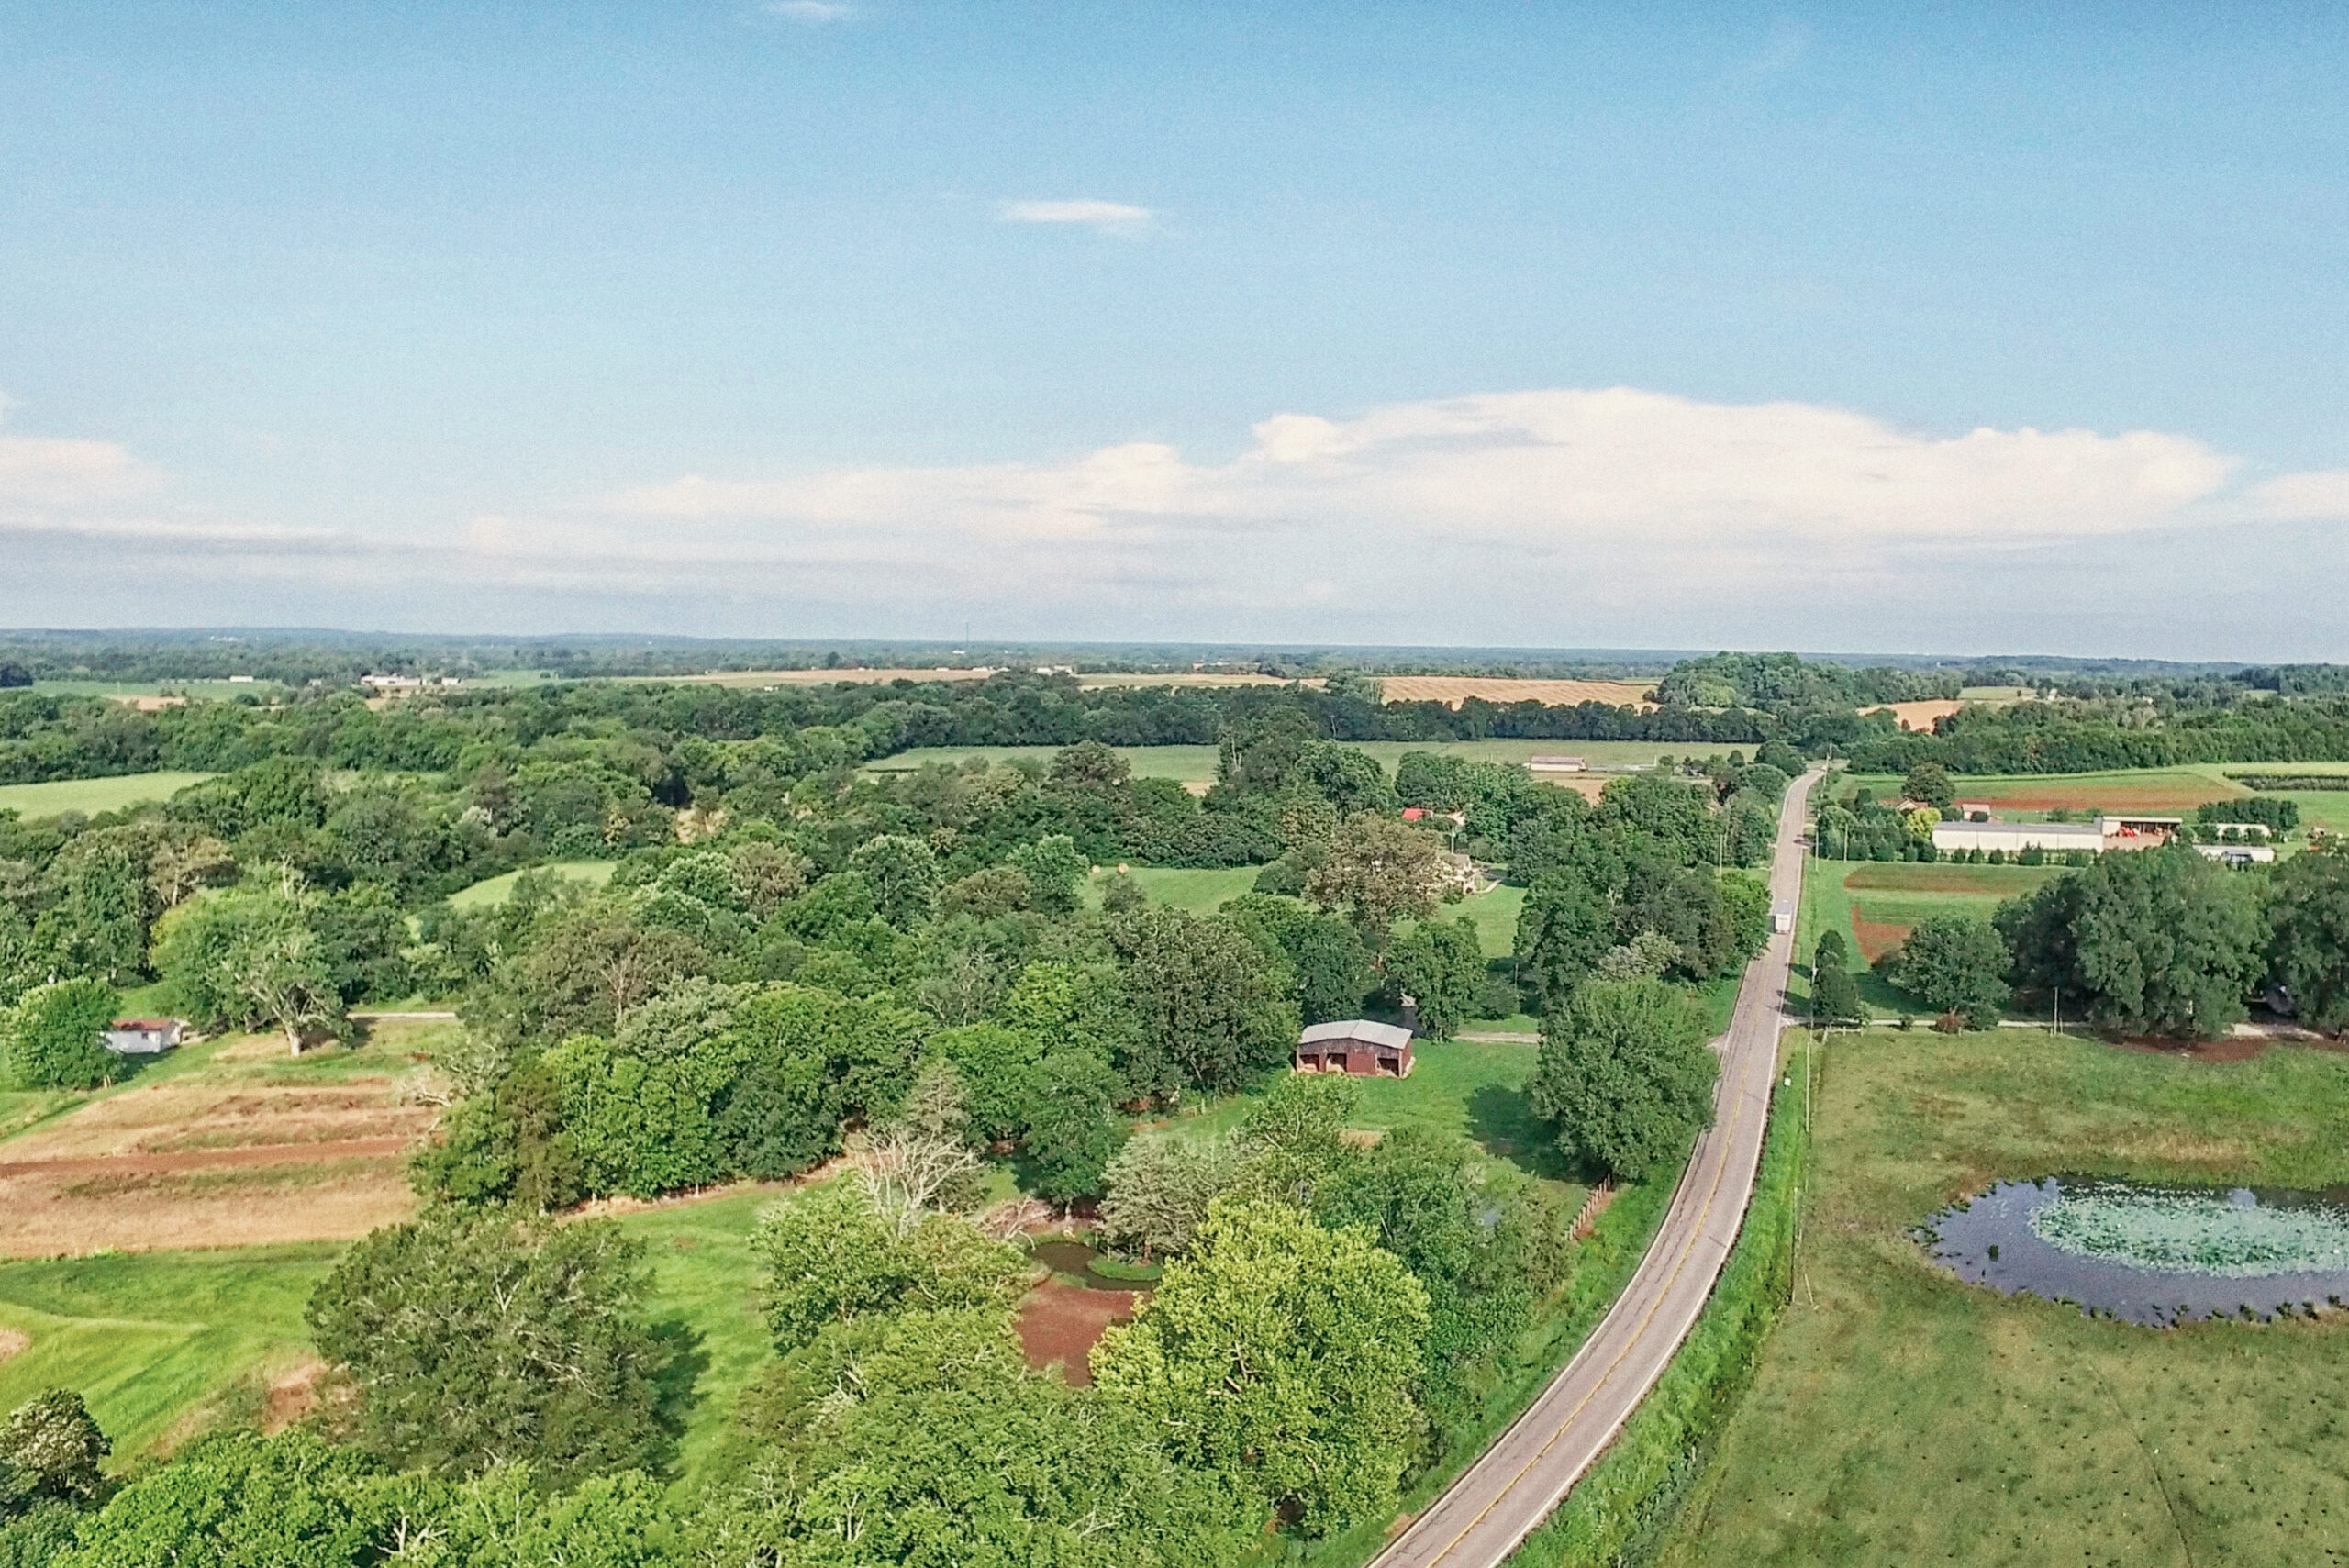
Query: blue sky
point(1897, 326)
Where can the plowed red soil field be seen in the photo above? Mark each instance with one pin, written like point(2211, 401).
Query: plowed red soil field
point(1059, 1323)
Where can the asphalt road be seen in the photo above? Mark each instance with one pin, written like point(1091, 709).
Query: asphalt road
point(1498, 1501)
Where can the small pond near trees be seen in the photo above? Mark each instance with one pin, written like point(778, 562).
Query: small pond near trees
point(2154, 1255)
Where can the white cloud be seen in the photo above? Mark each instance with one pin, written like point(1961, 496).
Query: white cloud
point(1102, 218)
point(1556, 517)
point(814, 12)
point(2307, 495)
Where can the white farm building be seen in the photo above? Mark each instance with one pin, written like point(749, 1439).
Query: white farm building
point(1956, 838)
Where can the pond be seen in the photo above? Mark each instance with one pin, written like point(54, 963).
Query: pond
point(1071, 1258)
point(2153, 1255)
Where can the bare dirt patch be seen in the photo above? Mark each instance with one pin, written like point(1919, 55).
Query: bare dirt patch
point(1877, 938)
point(1454, 690)
point(294, 1394)
point(13, 1343)
point(1060, 1323)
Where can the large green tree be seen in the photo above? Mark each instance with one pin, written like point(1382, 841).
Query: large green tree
point(54, 1036)
point(2308, 915)
point(1562, 930)
point(2160, 941)
point(1379, 869)
point(1623, 1074)
point(477, 1339)
point(1955, 964)
point(1280, 1356)
point(1439, 965)
point(1211, 1006)
point(832, 1255)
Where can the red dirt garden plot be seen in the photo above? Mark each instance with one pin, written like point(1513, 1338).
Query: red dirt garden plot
point(1059, 1323)
point(1877, 938)
point(2156, 792)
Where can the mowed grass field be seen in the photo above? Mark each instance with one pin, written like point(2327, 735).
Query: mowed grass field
point(1900, 1416)
point(91, 796)
point(499, 889)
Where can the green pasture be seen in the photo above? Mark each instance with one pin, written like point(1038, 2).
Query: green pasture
point(92, 796)
point(1191, 763)
point(152, 1339)
point(499, 889)
point(221, 690)
point(705, 1301)
point(1900, 1417)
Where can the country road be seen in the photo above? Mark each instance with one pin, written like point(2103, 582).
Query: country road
point(1499, 1500)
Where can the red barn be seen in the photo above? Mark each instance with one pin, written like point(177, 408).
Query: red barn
point(1356, 1046)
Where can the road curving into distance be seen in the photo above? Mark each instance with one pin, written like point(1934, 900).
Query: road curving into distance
point(1498, 1501)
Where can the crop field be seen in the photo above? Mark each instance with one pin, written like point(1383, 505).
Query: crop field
point(1877, 902)
point(91, 796)
point(2027, 797)
point(499, 889)
point(225, 1143)
point(1899, 1416)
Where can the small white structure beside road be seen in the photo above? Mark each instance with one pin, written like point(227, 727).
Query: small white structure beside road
point(1557, 765)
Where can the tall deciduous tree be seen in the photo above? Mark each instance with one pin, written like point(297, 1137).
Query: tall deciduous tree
point(1211, 1006)
point(2308, 915)
point(1562, 930)
point(1439, 965)
point(1955, 964)
point(1623, 1073)
point(477, 1339)
point(1280, 1355)
point(2159, 940)
point(1379, 870)
point(53, 1036)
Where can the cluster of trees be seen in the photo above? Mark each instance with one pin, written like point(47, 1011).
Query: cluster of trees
point(2158, 942)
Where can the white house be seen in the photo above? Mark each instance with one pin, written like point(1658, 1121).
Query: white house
point(143, 1036)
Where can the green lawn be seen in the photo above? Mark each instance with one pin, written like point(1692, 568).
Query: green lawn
point(91, 796)
point(1900, 1416)
point(705, 1299)
point(1200, 892)
point(497, 889)
point(151, 1339)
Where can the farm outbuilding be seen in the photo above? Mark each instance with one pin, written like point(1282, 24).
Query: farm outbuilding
point(143, 1036)
point(1356, 1046)
point(2016, 837)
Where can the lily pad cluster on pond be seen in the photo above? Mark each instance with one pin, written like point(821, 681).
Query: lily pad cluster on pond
point(2231, 1235)
point(2153, 1255)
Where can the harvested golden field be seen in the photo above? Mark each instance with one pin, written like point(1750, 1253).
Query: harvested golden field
point(1917, 716)
point(1454, 690)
